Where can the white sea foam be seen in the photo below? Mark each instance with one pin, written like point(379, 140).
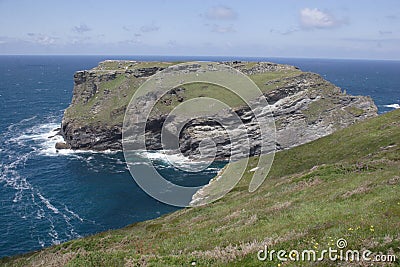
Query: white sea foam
point(48, 204)
point(43, 136)
point(20, 142)
point(73, 213)
point(22, 122)
point(46, 136)
point(40, 214)
point(41, 243)
point(168, 157)
point(395, 106)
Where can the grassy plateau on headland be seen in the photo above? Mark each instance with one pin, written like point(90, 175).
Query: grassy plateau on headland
point(345, 185)
point(114, 94)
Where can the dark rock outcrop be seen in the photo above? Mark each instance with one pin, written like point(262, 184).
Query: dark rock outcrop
point(62, 145)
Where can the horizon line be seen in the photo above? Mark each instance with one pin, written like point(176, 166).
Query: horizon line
point(205, 56)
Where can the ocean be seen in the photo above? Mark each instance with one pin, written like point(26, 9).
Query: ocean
point(47, 197)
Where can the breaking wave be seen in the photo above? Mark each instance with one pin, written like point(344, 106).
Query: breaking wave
point(395, 106)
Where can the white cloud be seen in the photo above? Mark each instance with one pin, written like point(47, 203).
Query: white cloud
point(221, 13)
point(149, 28)
point(221, 29)
point(133, 41)
point(392, 17)
point(172, 43)
point(80, 40)
point(81, 28)
point(385, 32)
point(42, 39)
point(318, 19)
point(290, 31)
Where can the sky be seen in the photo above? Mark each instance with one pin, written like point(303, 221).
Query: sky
point(357, 29)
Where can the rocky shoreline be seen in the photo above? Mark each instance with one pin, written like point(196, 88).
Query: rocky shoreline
point(305, 107)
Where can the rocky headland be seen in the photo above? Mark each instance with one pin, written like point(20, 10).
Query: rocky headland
point(305, 107)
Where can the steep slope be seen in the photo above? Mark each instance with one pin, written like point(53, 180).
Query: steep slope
point(305, 106)
point(345, 185)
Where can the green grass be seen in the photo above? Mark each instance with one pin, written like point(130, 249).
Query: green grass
point(110, 96)
point(116, 93)
point(355, 111)
point(261, 79)
point(111, 65)
point(346, 185)
point(195, 90)
point(317, 108)
point(155, 64)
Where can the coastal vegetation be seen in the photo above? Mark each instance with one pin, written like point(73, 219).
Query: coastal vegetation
point(344, 185)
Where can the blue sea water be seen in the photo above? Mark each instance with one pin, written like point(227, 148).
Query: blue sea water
point(48, 197)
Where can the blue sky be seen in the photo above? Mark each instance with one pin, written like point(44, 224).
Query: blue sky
point(287, 28)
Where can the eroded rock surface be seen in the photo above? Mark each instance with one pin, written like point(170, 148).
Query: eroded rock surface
point(304, 105)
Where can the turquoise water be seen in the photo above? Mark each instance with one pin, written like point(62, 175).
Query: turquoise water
point(48, 197)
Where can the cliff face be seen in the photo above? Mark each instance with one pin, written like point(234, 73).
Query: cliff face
point(100, 97)
point(304, 105)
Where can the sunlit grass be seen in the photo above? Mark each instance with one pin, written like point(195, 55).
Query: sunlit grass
point(346, 185)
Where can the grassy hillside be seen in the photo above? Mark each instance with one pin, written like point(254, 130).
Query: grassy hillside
point(346, 185)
